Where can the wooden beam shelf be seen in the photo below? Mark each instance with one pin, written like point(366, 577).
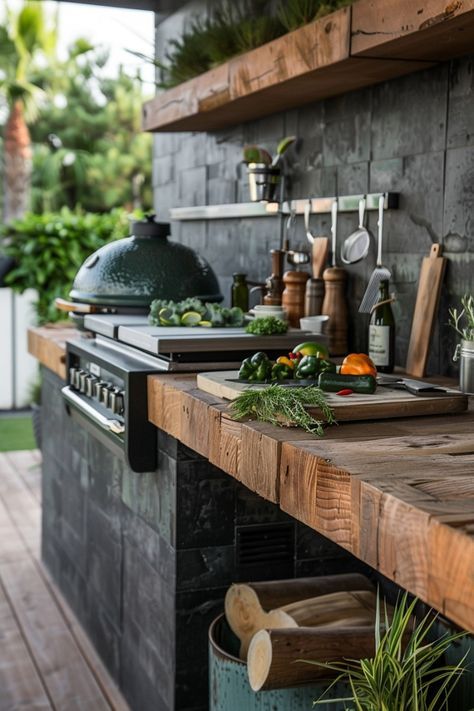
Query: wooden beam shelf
point(357, 46)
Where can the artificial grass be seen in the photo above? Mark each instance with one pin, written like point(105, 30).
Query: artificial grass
point(16, 433)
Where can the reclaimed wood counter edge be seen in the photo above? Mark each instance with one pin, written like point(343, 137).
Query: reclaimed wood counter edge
point(398, 494)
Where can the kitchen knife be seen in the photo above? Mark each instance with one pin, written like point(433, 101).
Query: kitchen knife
point(416, 387)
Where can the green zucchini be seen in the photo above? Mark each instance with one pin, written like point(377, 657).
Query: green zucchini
point(333, 382)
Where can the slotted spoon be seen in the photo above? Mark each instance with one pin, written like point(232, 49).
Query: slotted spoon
point(380, 272)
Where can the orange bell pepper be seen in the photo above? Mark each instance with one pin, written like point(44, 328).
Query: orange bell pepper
point(358, 364)
point(284, 360)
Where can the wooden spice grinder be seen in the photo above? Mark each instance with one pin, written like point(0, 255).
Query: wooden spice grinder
point(335, 304)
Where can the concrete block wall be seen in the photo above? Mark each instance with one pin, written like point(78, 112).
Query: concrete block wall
point(412, 135)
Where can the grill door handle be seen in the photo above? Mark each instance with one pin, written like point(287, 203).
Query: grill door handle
point(76, 401)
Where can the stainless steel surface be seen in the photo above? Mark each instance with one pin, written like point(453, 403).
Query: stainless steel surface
point(108, 324)
point(334, 211)
point(466, 366)
point(356, 246)
point(307, 212)
point(90, 412)
point(221, 212)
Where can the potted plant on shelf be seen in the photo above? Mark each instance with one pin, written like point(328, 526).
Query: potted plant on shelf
point(463, 324)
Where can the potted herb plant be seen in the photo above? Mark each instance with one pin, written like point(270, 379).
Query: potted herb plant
point(463, 323)
point(408, 670)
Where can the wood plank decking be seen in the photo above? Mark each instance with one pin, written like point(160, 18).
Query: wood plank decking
point(46, 660)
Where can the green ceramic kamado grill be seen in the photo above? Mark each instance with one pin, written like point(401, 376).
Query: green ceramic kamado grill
point(126, 275)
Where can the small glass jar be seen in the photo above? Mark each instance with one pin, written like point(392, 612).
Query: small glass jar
point(240, 292)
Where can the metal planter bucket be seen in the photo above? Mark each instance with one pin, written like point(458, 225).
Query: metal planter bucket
point(465, 354)
point(229, 688)
point(263, 182)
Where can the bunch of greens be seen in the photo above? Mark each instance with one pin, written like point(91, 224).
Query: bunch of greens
point(467, 314)
point(408, 671)
point(284, 406)
point(48, 250)
point(193, 312)
point(266, 325)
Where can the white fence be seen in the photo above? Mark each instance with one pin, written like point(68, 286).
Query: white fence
point(18, 369)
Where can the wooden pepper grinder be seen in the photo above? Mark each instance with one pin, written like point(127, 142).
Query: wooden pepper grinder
point(335, 304)
point(274, 282)
point(294, 295)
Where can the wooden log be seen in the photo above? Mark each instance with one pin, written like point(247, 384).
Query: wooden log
point(277, 593)
point(274, 655)
point(246, 616)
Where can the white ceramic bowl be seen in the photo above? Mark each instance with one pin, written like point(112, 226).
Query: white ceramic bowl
point(314, 324)
point(261, 310)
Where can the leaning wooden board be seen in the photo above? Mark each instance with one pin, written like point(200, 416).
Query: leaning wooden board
point(383, 404)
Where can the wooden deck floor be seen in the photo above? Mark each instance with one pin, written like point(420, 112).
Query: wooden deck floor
point(46, 661)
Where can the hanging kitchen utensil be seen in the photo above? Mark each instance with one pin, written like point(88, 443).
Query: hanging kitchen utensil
point(356, 246)
point(426, 306)
point(334, 304)
point(380, 273)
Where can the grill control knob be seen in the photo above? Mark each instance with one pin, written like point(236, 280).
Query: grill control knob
point(82, 381)
point(105, 395)
point(116, 401)
point(77, 378)
point(97, 390)
point(90, 380)
point(72, 376)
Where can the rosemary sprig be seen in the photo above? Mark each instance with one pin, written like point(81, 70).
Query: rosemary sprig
point(277, 403)
point(456, 318)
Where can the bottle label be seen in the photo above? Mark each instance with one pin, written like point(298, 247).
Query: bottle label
point(379, 344)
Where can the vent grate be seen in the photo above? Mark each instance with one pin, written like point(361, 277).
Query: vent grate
point(265, 551)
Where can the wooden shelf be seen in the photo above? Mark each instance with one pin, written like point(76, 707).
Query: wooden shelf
point(370, 42)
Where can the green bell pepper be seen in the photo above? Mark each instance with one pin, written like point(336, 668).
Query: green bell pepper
point(264, 371)
point(280, 371)
point(310, 367)
point(259, 358)
point(246, 369)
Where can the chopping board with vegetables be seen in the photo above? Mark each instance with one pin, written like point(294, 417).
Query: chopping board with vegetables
point(384, 403)
point(356, 392)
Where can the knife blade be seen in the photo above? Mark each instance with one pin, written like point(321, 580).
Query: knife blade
point(416, 387)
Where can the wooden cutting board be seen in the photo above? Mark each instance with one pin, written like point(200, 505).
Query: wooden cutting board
point(383, 404)
point(426, 308)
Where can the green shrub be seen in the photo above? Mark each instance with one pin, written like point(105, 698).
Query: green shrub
point(49, 249)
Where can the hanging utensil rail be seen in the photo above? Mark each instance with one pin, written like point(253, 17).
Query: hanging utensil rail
point(346, 203)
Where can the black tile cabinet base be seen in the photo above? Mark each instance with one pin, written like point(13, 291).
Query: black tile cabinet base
point(145, 559)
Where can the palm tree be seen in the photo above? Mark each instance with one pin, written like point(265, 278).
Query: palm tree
point(23, 38)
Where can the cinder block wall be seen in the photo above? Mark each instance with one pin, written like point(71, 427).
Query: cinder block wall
point(413, 135)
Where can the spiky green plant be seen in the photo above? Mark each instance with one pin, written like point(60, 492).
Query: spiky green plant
point(466, 315)
point(295, 13)
point(407, 671)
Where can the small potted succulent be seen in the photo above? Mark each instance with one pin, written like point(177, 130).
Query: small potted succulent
point(463, 323)
point(264, 171)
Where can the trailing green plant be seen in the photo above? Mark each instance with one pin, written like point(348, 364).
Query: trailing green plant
point(463, 321)
point(407, 671)
point(295, 13)
point(283, 406)
point(49, 249)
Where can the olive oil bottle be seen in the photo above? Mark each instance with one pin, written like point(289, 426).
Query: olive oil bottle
point(382, 332)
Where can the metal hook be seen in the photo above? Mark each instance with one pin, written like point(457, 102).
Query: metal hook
point(290, 222)
point(307, 212)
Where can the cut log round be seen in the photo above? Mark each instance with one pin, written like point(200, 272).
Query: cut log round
point(274, 656)
point(246, 616)
point(332, 608)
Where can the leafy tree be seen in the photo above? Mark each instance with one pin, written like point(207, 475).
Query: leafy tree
point(23, 39)
point(89, 148)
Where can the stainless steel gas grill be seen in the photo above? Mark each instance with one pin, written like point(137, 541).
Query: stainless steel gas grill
point(107, 374)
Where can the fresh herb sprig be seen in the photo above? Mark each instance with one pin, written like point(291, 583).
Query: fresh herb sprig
point(283, 406)
point(266, 326)
point(466, 316)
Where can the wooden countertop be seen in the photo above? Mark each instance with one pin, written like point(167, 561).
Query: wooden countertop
point(398, 494)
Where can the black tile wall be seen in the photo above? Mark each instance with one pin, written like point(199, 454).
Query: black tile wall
point(145, 559)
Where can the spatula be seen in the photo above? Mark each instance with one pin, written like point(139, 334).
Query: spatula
point(380, 272)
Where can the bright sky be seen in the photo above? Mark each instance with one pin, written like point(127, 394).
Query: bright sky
point(113, 28)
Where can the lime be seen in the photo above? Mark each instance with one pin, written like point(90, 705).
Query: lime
point(205, 324)
point(191, 318)
point(166, 317)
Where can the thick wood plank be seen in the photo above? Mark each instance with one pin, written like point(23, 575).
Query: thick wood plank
point(20, 684)
point(434, 30)
point(308, 64)
point(47, 344)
